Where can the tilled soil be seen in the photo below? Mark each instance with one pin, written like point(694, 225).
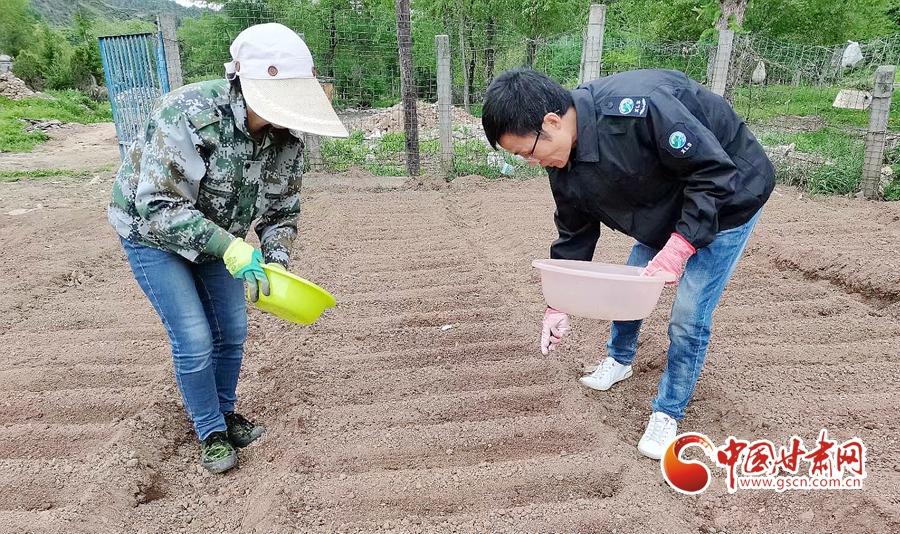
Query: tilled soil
point(380, 420)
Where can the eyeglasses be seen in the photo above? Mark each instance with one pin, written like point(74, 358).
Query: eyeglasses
point(530, 154)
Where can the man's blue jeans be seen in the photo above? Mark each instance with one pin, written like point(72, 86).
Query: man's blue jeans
point(705, 276)
point(203, 310)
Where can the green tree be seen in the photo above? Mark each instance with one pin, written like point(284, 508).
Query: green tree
point(46, 62)
point(85, 64)
point(16, 22)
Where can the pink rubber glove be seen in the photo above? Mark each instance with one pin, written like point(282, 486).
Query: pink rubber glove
point(671, 259)
point(555, 326)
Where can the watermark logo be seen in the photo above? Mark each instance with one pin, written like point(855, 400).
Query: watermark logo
point(760, 465)
point(687, 476)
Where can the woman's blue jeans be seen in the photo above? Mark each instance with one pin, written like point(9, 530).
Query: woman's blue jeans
point(705, 276)
point(203, 310)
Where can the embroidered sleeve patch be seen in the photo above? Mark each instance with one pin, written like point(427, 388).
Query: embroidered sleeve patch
point(625, 106)
point(679, 141)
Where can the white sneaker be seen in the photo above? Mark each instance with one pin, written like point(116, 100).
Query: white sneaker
point(608, 373)
point(661, 431)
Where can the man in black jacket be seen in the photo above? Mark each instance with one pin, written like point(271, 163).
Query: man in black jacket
point(658, 157)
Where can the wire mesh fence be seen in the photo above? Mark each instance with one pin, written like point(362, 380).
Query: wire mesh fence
point(811, 102)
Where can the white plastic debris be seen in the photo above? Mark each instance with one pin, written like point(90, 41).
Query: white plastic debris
point(447, 327)
point(759, 73)
point(852, 55)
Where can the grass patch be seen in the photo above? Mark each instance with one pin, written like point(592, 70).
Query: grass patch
point(65, 106)
point(381, 157)
point(473, 157)
point(341, 154)
point(843, 154)
point(755, 103)
point(892, 191)
point(36, 174)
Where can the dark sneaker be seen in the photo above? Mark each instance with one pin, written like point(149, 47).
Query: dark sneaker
point(242, 432)
point(217, 454)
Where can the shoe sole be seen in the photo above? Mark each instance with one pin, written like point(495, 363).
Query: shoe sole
point(220, 466)
point(585, 381)
point(649, 454)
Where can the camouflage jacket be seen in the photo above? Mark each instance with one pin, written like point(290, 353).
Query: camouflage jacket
point(198, 179)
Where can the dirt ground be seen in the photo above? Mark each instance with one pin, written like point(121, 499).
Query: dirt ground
point(380, 420)
point(80, 147)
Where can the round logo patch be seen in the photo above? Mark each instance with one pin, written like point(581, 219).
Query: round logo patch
point(626, 106)
point(677, 140)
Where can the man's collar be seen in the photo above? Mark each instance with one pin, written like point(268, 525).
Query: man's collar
point(586, 147)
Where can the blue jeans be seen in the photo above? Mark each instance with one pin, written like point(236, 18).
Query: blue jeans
point(705, 276)
point(203, 310)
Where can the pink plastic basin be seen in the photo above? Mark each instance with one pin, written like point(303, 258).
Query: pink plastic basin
point(599, 290)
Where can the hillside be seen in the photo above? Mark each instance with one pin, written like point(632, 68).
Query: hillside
point(60, 11)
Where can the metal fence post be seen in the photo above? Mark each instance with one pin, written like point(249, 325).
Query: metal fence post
point(722, 62)
point(442, 46)
point(592, 49)
point(878, 122)
point(167, 28)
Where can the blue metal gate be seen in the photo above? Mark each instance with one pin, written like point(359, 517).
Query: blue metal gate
point(134, 67)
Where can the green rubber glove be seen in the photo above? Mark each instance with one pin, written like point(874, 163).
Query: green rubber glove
point(245, 262)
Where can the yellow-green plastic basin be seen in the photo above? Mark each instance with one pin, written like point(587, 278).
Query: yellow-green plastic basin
point(293, 298)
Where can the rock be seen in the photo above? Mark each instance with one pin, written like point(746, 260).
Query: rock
point(390, 120)
point(132, 462)
point(852, 99)
point(12, 87)
point(23, 211)
point(807, 516)
point(781, 151)
point(887, 177)
point(35, 125)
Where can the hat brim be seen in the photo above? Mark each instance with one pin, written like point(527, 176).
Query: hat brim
point(297, 104)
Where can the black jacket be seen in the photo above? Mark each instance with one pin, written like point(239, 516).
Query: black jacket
point(656, 153)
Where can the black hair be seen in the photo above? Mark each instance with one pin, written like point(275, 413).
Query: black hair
point(517, 100)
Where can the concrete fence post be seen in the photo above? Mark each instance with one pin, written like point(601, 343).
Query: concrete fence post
point(592, 49)
point(722, 62)
point(879, 111)
point(407, 86)
point(445, 125)
point(168, 25)
point(312, 143)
